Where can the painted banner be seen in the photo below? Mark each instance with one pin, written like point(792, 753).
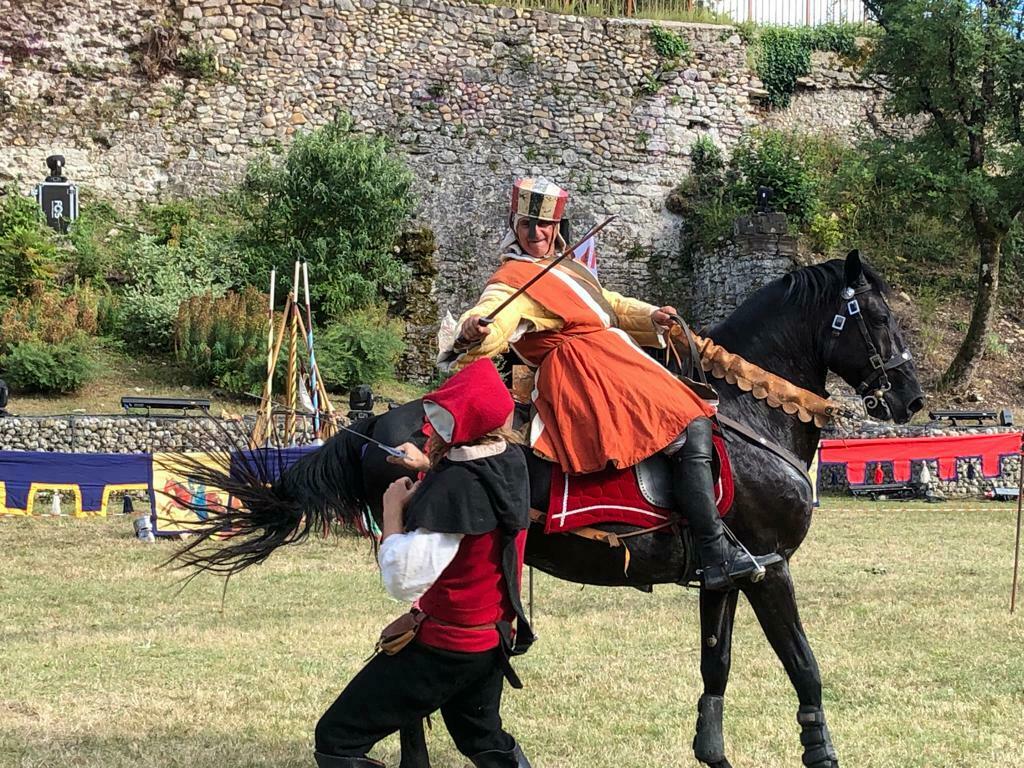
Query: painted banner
point(944, 450)
point(89, 477)
point(174, 491)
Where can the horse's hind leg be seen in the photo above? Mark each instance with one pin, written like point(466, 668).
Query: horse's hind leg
point(774, 603)
point(717, 611)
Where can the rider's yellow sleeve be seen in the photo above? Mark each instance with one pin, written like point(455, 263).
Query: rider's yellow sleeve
point(521, 315)
point(635, 319)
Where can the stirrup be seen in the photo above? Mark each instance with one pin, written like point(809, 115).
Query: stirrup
point(725, 575)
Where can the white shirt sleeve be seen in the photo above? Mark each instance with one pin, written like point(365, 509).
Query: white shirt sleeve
point(411, 562)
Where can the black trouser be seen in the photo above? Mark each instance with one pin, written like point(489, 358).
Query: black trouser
point(392, 691)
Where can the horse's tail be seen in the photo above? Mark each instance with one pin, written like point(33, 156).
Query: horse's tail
point(270, 504)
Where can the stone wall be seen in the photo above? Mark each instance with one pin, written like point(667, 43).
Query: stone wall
point(472, 94)
point(761, 250)
point(121, 434)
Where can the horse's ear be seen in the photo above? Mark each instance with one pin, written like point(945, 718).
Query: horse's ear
point(854, 270)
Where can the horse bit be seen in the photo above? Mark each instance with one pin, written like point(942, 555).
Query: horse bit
point(872, 395)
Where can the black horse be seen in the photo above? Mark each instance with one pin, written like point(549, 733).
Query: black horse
point(832, 316)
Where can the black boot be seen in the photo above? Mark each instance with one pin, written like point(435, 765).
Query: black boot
point(722, 562)
point(334, 761)
point(495, 758)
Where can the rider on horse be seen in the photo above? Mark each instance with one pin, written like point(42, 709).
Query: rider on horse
point(598, 397)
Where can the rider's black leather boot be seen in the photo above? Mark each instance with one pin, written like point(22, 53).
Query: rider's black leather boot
point(334, 761)
point(494, 758)
point(722, 562)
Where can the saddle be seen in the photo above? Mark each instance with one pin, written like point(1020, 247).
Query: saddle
point(638, 496)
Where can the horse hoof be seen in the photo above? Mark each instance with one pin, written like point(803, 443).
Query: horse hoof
point(720, 764)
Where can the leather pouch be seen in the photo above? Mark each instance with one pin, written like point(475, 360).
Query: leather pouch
point(400, 632)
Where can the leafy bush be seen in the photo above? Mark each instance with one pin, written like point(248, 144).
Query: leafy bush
point(36, 366)
point(198, 62)
point(783, 54)
point(220, 338)
point(668, 44)
point(338, 200)
point(99, 238)
point(188, 256)
point(362, 348)
point(28, 250)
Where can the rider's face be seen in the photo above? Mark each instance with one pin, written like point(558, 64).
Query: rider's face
point(536, 237)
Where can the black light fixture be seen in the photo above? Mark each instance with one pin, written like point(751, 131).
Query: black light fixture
point(764, 200)
point(360, 402)
point(57, 196)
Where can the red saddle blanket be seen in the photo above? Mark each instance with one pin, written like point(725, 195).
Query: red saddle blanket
point(614, 496)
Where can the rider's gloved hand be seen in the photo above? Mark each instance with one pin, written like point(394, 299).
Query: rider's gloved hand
point(661, 317)
point(473, 330)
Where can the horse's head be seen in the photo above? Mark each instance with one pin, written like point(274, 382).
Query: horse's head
point(864, 346)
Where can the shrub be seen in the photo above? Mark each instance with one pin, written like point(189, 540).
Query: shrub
point(669, 45)
point(28, 250)
point(186, 257)
point(783, 54)
point(220, 339)
point(49, 317)
point(99, 239)
point(198, 62)
point(36, 366)
point(338, 200)
point(362, 348)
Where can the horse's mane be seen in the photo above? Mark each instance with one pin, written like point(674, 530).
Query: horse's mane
point(822, 283)
point(813, 286)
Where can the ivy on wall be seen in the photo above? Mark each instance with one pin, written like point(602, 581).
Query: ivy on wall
point(783, 54)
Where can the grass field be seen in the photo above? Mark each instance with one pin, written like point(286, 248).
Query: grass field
point(102, 665)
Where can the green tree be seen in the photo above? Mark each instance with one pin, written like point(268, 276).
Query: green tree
point(338, 200)
point(955, 70)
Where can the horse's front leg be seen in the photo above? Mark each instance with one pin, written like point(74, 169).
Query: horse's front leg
point(717, 611)
point(774, 603)
point(413, 746)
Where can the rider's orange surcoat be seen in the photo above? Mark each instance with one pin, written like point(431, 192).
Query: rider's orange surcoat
point(599, 398)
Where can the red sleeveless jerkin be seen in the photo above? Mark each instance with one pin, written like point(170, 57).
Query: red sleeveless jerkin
point(469, 592)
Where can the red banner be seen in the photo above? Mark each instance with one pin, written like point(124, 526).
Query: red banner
point(900, 451)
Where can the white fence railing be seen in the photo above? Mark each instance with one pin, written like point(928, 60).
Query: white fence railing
point(792, 12)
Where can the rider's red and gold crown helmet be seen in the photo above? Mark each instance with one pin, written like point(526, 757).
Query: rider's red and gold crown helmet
point(538, 199)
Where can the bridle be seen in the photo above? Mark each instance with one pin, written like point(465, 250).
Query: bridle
point(873, 387)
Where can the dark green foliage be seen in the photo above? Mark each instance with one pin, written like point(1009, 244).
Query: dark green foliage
point(783, 54)
point(98, 239)
point(716, 192)
point(35, 366)
point(955, 68)
point(362, 348)
point(338, 200)
point(198, 62)
point(192, 252)
point(669, 45)
point(28, 249)
point(223, 340)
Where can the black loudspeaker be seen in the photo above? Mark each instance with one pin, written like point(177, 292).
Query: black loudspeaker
point(1005, 418)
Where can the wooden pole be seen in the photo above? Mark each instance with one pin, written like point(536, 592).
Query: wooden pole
point(313, 372)
point(291, 390)
point(1016, 547)
point(268, 385)
point(265, 422)
point(327, 429)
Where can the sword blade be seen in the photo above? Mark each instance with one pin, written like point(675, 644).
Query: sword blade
point(388, 449)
